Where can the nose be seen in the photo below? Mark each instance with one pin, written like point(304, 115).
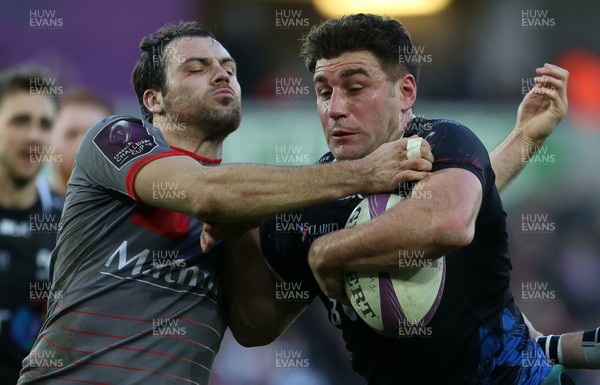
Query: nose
point(221, 75)
point(37, 132)
point(338, 107)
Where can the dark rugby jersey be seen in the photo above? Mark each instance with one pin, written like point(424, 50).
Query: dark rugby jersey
point(135, 300)
point(477, 335)
point(27, 238)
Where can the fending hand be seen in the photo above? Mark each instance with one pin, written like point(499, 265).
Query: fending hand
point(544, 106)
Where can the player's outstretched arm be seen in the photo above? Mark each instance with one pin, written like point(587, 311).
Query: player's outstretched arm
point(254, 315)
point(540, 112)
point(433, 226)
point(236, 193)
point(575, 350)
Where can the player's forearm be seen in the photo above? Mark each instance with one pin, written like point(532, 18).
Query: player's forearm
point(246, 192)
point(422, 227)
point(576, 350)
point(510, 157)
point(419, 229)
point(572, 351)
point(254, 315)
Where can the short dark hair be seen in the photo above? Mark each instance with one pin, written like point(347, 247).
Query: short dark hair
point(23, 79)
point(149, 71)
point(383, 36)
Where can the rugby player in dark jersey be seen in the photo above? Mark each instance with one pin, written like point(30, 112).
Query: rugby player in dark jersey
point(29, 212)
point(365, 97)
point(139, 302)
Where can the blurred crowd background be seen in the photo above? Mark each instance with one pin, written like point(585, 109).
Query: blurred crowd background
point(479, 59)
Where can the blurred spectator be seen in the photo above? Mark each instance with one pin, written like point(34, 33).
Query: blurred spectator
point(29, 211)
point(79, 109)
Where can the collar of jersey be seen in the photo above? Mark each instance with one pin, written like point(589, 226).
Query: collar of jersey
point(198, 157)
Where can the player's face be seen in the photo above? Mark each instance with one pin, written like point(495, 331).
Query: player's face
point(25, 127)
point(72, 122)
point(358, 106)
point(201, 85)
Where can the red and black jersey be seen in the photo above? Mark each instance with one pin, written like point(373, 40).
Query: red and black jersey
point(134, 300)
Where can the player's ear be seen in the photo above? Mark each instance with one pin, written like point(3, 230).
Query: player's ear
point(406, 87)
point(153, 101)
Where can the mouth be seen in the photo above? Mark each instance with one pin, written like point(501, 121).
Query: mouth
point(341, 133)
point(224, 92)
point(25, 153)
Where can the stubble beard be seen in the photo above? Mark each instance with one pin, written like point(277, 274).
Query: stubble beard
point(214, 122)
point(16, 179)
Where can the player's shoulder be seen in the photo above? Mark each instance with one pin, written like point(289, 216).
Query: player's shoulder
point(424, 127)
point(445, 132)
point(121, 138)
point(120, 127)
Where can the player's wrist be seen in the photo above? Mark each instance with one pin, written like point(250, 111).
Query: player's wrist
point(357, 175)
point(551, 345)
point(529, 146)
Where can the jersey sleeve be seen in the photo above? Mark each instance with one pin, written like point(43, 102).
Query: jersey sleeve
point(287, 254)
point(456, 146)
point(114, 150)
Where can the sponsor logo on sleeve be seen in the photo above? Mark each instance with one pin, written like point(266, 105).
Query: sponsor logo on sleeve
point(123, 141)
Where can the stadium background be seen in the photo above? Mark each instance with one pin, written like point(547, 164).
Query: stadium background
point(478, 58)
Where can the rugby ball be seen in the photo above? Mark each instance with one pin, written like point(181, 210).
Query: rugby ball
point(399, 303)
